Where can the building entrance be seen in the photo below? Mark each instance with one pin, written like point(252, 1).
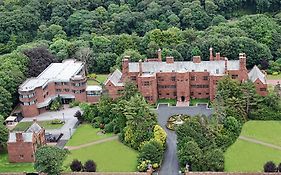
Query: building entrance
point(182, 98)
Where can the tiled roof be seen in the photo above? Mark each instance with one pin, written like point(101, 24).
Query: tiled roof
point(255, 74)
point(115, 78)
point(34, 128)
point(214, 67)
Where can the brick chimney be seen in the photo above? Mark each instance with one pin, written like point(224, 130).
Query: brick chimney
point(218, 56)
point(125, 67)
point(196, 59)
point(211, 54)
point(169, 60)
point(19, 137)
point(140, 67)
point(159, 53)
point(242, 61)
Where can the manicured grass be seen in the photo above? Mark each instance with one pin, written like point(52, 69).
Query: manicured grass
point(193, 102)
point(245, 156)
point(102, 77)
point(22, 126)
point(111, 156)
point(5, 166)
point(172, 102)
point(92, 82)
point(266, 131)
point(274, 77)
point(85, 133)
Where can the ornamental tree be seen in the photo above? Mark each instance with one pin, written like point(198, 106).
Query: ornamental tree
point(49, 159)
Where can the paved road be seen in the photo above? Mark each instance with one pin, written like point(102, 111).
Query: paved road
point(70, 121)
point(248, 139)
point(170, 164)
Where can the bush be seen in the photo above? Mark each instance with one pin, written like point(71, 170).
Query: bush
point(142, 167)
point(269, 167)
point(275, 73)
point(153, 151)
point(109, 127)
point(78, 115)
point(56, 104)
point(90, 166)
point(76, 166)
point(160, 134)
point(56, 122)
point(74, 103)
point(279, 167)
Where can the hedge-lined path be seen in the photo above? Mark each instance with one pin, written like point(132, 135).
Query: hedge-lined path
point(248, 139)
point(92, 143)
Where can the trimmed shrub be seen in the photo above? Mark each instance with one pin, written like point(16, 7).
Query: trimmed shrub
point(76, 165)
point(73, 104)
point(269, 167)
point(160, 135)
point(78, 115)
point(90, 166)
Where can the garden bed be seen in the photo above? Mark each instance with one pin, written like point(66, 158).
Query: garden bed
point(175, 120)
point(50, 124)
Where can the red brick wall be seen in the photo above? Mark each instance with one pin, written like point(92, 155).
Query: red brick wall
point(200, 86)
point(261, 88)
point(93, 99)
point(166, 79)
point(148, 91)
point(112, 90)
point(183, 86)
point(17, 149)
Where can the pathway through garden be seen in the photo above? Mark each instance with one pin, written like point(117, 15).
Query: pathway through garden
point(259, 142)
point(92, 143)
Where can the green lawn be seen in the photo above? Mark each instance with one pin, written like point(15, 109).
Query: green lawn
point(111, 156)
point(22, 126)
point(172, 102)
point(100, 78)
point(274, 77)
point(244, 156)
point(193, 102)
point(85, 133)
point(267, 131)
point(5, 166)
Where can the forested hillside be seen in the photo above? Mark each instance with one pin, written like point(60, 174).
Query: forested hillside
point(34, 33)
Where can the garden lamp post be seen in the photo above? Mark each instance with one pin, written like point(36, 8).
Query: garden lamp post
point(187, 167)
point(63, 117)
point(69, 132)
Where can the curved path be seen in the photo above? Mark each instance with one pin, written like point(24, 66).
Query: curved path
point(170, 165)
point(92, 143)
point(248, 139)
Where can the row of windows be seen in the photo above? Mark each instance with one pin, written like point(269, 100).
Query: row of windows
point(148, 98)
point(29, 103)
point(174, 93)
point(27, 95)
point(62, 90)
point(199, 93)
point(162, 79)
point(262, 89)
point(61, 83)
point(193, 78)
point(93, 93)
point(167, 86)
point(200, 86)
point(146, 83)
point(78, 91)
point(78, 84)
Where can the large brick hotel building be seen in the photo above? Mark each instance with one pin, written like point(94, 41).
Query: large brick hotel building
point(182, 80)
point(66, 79)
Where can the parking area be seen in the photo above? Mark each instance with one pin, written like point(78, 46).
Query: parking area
point(66, 115)
point(170, 163)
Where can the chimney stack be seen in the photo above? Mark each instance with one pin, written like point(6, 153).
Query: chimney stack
point(218, 56)
point(196, 59)
point(19, 137)
point(125, 67)
point(211, 54)
point(242, 61)
point(140, 67)
point(169, 60)
point(159, 53)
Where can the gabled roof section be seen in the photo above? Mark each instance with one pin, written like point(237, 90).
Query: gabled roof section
point(34, 128)
point(255, 74)
point(115, 78)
